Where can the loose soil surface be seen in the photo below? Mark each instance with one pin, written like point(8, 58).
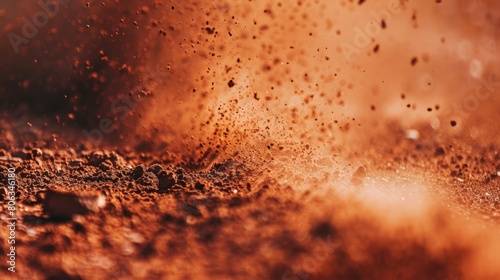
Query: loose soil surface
point(363, 218)
point(255, 139)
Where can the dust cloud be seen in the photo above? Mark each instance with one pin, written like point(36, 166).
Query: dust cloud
point(305, 93)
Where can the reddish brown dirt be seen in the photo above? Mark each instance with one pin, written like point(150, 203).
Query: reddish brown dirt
point(236, 221)
point(240, 141)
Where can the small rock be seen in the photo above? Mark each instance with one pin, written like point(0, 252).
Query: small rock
point(155, 169)
point(96, 158)
point(116, 159)
point(76, 163)
point(439, 151)
point(486, 179)
point(358, 176)
point(105, 165)
point(36, 152)
point(199, 186)
point(138, 172)
point(180, 172)
point(360, 172)
point(60, 204)
point(167, 180)
point(144, 10)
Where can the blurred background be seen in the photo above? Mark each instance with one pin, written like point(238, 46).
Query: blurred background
point(385, 110)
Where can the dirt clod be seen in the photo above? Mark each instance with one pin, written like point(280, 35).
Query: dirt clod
point(167, 180)
point(138, 172)
point(359, 176)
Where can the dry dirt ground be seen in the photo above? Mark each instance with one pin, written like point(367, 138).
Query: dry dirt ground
point(233, 220)
point(254, 139)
